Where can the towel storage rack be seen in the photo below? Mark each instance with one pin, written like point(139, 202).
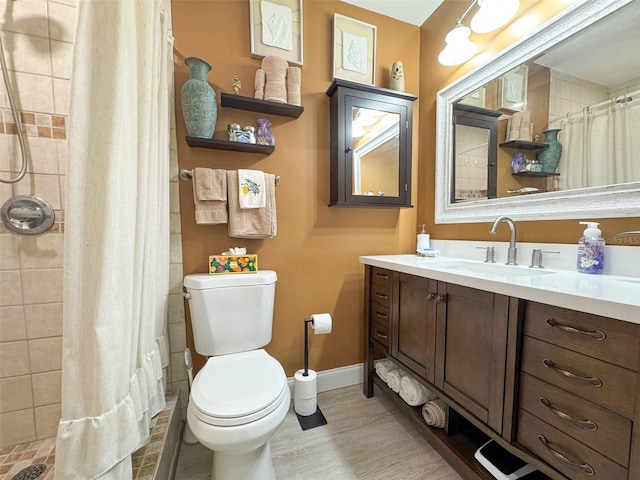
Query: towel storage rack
point(186, 175)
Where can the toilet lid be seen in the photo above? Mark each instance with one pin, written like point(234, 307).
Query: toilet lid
point(231, 387)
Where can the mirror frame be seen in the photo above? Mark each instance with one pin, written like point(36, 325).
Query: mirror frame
point(609, 201)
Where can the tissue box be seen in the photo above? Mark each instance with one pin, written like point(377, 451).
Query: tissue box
point(220, 264)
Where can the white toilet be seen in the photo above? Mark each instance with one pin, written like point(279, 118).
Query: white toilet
point(240, 397)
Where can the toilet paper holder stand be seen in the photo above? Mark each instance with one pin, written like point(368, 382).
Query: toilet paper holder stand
point(307, 321)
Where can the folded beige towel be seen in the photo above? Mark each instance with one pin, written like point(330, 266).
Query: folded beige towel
point(253, 222)
point(260, 79)
point(210, 196)
point(394, 379)
point(275, 92)
point(275, 87)
point(294, 80)
point(414, 393)
point(435, 413)
point(383, 367)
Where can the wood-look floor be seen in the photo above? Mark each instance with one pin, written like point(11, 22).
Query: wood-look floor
point(365, 438)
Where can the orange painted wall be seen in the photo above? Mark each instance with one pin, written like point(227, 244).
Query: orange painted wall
point(433, 78)
point(315, 253)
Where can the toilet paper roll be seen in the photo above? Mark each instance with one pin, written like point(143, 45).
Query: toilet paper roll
point(305, 391)
point(321, 323)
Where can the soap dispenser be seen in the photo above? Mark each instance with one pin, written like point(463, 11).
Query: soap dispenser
point(591, 249)
point(423, 241)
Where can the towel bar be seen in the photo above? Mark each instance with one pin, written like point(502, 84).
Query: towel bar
point(186, 175)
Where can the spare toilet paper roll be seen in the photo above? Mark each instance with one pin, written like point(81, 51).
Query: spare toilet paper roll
point(321, 323)
point(305, 393)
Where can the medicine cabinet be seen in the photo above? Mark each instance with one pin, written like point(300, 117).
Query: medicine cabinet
point(370, 135)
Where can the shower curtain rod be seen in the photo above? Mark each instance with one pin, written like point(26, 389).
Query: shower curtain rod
point(620, 99)
point(186, 175)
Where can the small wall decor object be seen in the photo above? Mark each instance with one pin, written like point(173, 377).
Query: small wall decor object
point(198, 100)
point(232, 130)
point(294, 81)
point(276, 29)
point(354, 50)
point(261, 78)
point(517, 162)
point(265, 135)
point(250, 133)
point(549, 157)
point(397, 77)
point(275, 87)
point(236, 84)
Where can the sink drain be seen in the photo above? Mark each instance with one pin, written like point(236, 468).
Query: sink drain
point(31, 472)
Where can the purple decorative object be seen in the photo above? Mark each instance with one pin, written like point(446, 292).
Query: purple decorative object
point(517, 163)
point(265, 135)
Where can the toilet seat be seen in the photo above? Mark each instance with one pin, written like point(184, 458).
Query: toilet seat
point(238, 388)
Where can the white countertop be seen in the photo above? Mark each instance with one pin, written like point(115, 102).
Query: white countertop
point(611, 296)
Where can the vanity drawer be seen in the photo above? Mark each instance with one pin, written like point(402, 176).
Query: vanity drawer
point(380, 295)
point(603, 383)
point(380, 333)
point(572, 458)
point(382, 277)
point(379, 313)
point(603, 338)
point(600, 429)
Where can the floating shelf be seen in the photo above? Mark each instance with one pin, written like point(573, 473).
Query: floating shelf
point(261, 106)
point(217, 144)
point(535, 174)
point(523, 144)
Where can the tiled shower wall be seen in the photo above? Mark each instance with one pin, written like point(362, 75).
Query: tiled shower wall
point(38, 45)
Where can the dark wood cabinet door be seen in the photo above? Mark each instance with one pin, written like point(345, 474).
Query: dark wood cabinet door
point(471, 350)
point(414, 324)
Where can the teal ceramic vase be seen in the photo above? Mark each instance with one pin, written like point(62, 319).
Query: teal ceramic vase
point(199, 100)
point(549, 157)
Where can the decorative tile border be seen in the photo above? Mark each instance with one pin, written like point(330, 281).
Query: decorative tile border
point(43, 125)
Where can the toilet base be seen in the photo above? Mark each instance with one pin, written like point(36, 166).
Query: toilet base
point(252, 465)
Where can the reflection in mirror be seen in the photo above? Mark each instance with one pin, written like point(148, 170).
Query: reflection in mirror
point(375, 152)
point(471, 156)
point(581, 83)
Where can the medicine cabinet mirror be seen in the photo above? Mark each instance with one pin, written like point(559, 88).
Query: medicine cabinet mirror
point(591, 46)
point(370, 145)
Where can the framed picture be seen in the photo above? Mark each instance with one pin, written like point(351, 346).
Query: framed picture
point(276, 29)
point(512, 89)
point(354, 50)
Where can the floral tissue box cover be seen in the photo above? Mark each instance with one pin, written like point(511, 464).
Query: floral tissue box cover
point(220, 264)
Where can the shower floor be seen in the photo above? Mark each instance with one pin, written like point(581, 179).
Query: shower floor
point(15, 458)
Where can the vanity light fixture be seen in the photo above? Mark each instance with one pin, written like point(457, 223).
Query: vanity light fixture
point(492, 15)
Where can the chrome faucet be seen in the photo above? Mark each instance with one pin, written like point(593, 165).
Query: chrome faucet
point(512, 254)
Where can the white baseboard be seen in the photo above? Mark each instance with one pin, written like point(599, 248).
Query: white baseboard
point(337, 378)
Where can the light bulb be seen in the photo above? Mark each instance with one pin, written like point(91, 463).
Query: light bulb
point(493, 14)
point(459, 48)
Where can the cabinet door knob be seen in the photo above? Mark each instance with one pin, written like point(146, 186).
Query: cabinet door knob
point(430, 297)
point(441, 298)
point(348, 150)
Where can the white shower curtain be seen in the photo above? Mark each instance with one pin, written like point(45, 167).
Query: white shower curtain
point(116, 277)
point(601, 148)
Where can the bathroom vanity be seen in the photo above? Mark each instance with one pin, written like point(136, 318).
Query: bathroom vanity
point(545, 362)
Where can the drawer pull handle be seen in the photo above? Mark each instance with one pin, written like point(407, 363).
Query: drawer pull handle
point(382, 275)
point(386, 317)
point(595, 381)
point(378, 334)
point(585, 467)
point(597, 335)
point(380, 295)
point(588, 424)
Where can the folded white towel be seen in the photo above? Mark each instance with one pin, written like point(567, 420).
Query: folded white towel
point(251, 189)
point(435, 413)
point(414, 393)
point(394, 379)
point(383, 367)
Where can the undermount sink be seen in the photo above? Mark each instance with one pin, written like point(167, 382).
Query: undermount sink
point(491, 269)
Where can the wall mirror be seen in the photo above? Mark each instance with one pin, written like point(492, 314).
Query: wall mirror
point(370, 147)
point(583, 79)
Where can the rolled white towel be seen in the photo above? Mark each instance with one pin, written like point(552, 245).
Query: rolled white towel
point(414, 393)
point(383, 367)
point(435, 413)
point(394, 379)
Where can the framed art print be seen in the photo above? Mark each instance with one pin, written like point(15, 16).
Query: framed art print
point(512, 86)
point(354, 50)
point(276, 29)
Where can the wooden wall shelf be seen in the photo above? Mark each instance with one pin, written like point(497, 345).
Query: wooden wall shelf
point(262, 106)
point(218, 144)
point(535, 174)
point(524, 145)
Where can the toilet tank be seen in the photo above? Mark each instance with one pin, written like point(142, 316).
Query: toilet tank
point(231, 313)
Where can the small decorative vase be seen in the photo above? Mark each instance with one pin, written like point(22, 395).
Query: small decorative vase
point(517, 163)
point(397, 77)
point(199, 100)
point(549, 157)
point(265, 135)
